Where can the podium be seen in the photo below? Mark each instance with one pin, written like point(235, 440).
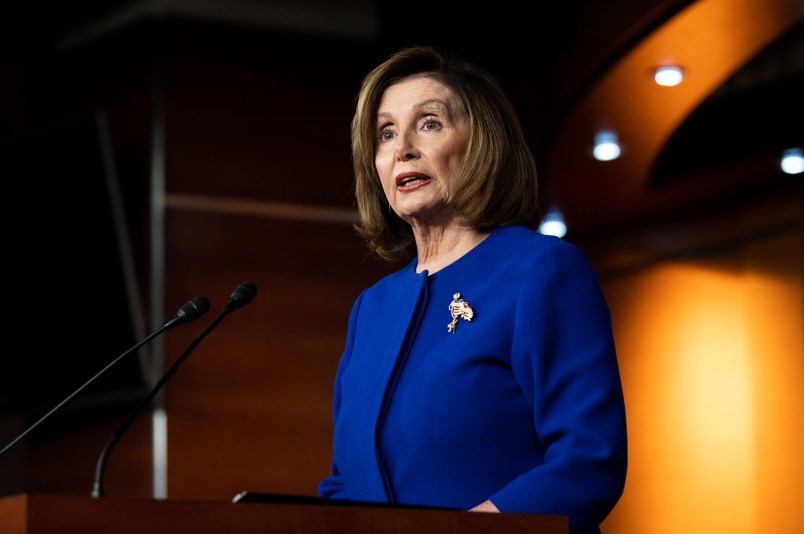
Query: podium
point(41, 513)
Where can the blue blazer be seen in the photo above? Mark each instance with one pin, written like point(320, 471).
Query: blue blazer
point(521, 404)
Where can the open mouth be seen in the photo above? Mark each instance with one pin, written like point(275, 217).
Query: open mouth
point(411, 180)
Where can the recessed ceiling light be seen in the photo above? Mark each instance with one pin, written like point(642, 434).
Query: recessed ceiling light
point(607, 147)
point(553, 224)
point(668, 76)
point(793, 161)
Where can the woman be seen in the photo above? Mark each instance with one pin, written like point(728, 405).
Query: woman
point(481, 376)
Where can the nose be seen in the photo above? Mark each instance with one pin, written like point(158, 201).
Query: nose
point(405, 148)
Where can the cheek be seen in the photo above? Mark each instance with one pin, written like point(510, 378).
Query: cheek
point(453, 142)
point(384, 169)
point(451, 157)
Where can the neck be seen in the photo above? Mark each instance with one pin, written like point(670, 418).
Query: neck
point(438, 248)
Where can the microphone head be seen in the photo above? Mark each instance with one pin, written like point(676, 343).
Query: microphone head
point(193, 310)
point(242, 295)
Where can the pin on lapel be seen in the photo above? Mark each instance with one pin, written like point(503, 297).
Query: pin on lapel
point(459, 308)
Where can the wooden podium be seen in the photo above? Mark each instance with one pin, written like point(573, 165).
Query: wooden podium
point(37, 514)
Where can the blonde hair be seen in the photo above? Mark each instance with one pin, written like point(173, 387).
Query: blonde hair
point(499, 183)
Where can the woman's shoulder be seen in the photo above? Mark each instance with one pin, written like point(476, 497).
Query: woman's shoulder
point(527, 249)
point(529, 241)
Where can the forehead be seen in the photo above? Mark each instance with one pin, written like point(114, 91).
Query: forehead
point(416, 89)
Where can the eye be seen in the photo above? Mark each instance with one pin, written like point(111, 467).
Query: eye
point(430, 124)
point(385, 135)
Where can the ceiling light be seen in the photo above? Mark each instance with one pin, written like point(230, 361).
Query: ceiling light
point(668, 76)
point(793, 161)
point(607, 146)
point(553, 224)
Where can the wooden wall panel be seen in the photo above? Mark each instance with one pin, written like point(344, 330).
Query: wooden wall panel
point(251, 122)
point(267, 118)
point(60, 455)
point(251, 408)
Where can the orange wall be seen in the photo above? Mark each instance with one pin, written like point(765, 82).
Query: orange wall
point(712, 360)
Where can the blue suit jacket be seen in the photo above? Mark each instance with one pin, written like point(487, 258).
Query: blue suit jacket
point(521, 405)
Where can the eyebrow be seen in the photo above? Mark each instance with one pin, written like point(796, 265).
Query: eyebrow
point(424, 104)
point(432, 101)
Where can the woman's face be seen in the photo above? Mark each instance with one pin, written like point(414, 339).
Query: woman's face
point(422, 133)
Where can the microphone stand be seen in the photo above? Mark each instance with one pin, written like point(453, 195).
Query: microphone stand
point(239, 299)
point(188, 312)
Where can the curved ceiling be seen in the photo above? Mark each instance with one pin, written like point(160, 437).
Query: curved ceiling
point(681, 145)
point(578, 66)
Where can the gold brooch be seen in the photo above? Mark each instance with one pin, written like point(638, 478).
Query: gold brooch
point(459, 308)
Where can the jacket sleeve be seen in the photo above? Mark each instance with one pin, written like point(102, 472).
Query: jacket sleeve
point(564, 359)
point(333, 486)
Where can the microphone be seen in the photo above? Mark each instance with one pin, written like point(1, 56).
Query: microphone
point(189, 312)
point(241, 296)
